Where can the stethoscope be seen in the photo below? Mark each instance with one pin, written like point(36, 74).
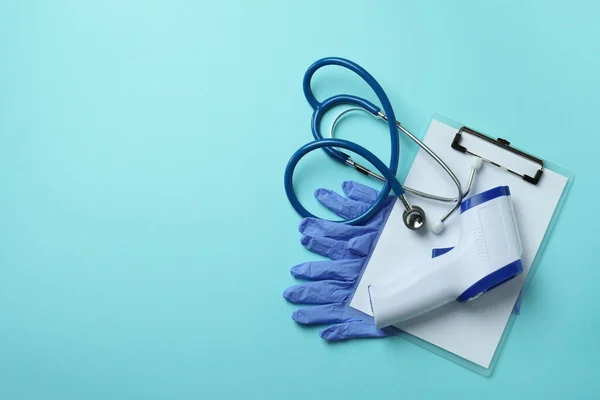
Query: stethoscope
point(413, 216)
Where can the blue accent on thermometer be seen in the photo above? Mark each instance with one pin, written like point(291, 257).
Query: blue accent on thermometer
point(491, 281)
point(484, 197)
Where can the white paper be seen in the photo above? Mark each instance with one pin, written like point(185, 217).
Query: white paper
point(472, 330)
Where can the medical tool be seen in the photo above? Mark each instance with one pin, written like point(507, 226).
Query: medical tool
point(487, 254)
point(330, 284)
point(392, 291)
point(414, 216)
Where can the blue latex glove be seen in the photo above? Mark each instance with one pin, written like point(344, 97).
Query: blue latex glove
point(332, 282)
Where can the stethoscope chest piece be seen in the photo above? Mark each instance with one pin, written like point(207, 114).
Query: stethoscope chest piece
point(414, 218)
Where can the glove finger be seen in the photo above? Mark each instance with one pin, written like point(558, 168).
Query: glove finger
point(331, 248)
point(359, 192)
point(319, 292)
point(380, 216)
point(323, 314)
point(353, 330)
point(335, 230)
point(362, 244)
point(341, 206)
point(365, 194)
point(341, 270)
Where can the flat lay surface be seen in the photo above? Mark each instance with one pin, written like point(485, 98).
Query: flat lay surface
point(145, 237)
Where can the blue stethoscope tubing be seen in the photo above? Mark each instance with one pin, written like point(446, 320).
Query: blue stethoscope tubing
point(330, 145)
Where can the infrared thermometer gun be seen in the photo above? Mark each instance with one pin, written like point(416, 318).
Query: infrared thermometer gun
point(488, 253)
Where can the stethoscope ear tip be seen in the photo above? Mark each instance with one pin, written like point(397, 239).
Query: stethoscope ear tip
point(437, 227)
point(476, 163)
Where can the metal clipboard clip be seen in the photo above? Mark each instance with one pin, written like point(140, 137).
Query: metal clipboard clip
point(504, 144)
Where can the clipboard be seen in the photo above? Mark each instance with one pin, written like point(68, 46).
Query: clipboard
point(472, 334)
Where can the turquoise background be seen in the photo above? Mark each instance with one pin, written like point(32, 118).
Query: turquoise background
point(145, 237)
